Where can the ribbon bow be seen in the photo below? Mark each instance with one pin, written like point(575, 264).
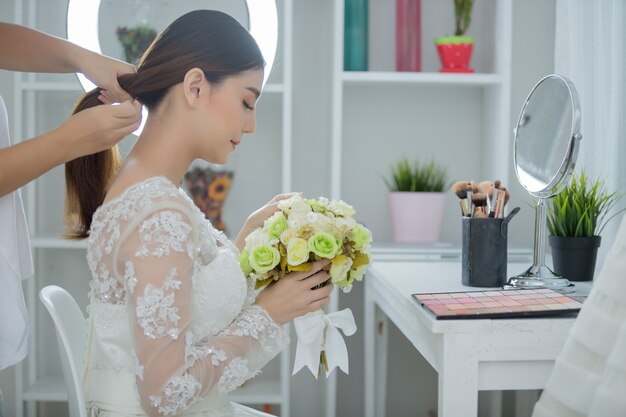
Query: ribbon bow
point(318, 331)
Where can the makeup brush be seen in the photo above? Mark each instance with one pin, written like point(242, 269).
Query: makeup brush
point(460, 188)
point(486, 188)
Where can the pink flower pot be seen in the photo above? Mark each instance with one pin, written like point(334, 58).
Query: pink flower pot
point(416, 217)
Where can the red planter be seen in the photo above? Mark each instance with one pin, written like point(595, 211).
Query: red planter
point(455, 53)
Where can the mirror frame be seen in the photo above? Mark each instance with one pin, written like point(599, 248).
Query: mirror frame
point(561, 178)
point(82, 29)
point(539, 275)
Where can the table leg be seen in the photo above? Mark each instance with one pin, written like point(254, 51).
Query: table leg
point(382, 341)
point(369, 351)
point(375, 351)
point(458, 377)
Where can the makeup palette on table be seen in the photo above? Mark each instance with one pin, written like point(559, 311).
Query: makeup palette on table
point(495, 304)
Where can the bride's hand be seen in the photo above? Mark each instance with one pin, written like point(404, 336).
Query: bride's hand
point(256, 219)
point(293, 295)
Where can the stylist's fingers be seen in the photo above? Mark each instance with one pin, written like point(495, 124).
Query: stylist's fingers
point(106, 97)
point(127, 112)
point(116, 91)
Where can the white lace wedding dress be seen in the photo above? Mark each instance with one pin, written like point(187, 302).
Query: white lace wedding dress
point(172, 324)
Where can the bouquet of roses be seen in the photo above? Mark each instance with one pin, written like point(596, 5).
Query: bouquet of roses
point(299, 233)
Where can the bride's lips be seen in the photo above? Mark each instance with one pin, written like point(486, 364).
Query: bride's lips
point(234, 143)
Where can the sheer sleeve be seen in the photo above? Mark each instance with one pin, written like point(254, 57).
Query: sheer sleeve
point(157, 256)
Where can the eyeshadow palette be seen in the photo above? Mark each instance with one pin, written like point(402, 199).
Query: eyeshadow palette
point(498, 304)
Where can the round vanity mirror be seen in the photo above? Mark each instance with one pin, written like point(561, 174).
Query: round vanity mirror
point(547, 138)
point(92, 24)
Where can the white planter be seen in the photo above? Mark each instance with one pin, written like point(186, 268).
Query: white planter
point(416, 217)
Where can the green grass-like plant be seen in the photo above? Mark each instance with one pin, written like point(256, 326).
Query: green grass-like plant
point(581, 209)
point(417, 177)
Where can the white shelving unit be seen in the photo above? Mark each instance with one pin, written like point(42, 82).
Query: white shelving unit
point(62, 262)
point(487, 93)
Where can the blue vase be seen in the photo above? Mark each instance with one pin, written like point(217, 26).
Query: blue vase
point(355, 35)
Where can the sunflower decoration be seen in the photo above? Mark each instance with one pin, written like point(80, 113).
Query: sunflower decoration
point(208, 188)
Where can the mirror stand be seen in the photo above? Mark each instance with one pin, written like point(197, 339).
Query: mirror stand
point(539, 275)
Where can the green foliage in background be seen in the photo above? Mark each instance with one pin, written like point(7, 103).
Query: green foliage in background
point(581, 209)
point(462, 16)
point(135, 41)
point(417, 177)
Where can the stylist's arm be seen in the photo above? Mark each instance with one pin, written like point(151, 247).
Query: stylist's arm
point(90, 131)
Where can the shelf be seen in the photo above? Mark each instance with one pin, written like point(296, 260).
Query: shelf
point(253, 392)
point(372, 77)
point(51, 86)
point(53, 242)
point(47, 389)
point(273, 88)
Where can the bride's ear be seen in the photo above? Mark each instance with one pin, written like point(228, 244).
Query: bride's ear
point(193, 85)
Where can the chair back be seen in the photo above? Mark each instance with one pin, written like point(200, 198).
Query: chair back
point(71, 329)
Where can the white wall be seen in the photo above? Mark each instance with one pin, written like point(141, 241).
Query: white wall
point(533, 35)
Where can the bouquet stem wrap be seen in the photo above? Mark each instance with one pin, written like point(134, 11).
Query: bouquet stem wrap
point(318, 332)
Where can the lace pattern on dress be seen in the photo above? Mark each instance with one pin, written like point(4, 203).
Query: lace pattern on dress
point(235, 374)
point(105, 233)
point(168, 231)
point(197, 350)
point(156, 312)
point(177, 395)
point(255, 322)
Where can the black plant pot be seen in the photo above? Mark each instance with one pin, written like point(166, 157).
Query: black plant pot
point(574, 258)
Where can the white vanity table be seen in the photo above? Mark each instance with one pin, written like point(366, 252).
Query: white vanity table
point(468, 355)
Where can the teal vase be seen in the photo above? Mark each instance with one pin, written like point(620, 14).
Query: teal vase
point(355, 35)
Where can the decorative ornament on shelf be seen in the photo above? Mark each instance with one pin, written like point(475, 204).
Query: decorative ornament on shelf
point(300, 232)
point(576, 218)
point(135, 40)
point(355, 35)
point(408, 35)
point(417, 200)
point(455, 52)
point(208, 189)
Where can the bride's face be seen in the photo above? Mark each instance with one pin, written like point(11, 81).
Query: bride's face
point(228, 112)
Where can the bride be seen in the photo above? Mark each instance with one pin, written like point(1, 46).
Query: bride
point(173, 325)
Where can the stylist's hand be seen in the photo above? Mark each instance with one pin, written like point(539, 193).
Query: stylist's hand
point(98, 128)
point(292, 296)
point(103, 72)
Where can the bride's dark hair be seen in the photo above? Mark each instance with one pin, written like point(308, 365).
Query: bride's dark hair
point(207, 39)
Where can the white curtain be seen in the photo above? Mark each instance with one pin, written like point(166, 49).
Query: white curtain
point(590, 49)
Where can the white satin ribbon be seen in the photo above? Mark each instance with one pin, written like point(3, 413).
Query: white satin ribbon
point(318, 331)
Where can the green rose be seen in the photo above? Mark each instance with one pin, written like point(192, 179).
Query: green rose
point(275, 225)
point(297, 251)
point(323, 245)
point(263, 258)
point(360, 236)
point(244, 262)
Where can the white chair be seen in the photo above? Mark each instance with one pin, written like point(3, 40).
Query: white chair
point(71, 329)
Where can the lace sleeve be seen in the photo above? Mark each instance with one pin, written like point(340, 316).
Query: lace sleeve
point(174, 368)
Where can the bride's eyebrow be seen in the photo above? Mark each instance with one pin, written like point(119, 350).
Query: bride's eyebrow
point(256, 92)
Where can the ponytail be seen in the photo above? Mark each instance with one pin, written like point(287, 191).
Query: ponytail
point(87, 179)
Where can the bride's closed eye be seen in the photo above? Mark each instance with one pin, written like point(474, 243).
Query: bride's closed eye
point(247, 106)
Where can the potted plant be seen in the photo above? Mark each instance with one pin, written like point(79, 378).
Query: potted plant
point(416, 200)
point(455, 51)
point(576, 218)
point(135, 41)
